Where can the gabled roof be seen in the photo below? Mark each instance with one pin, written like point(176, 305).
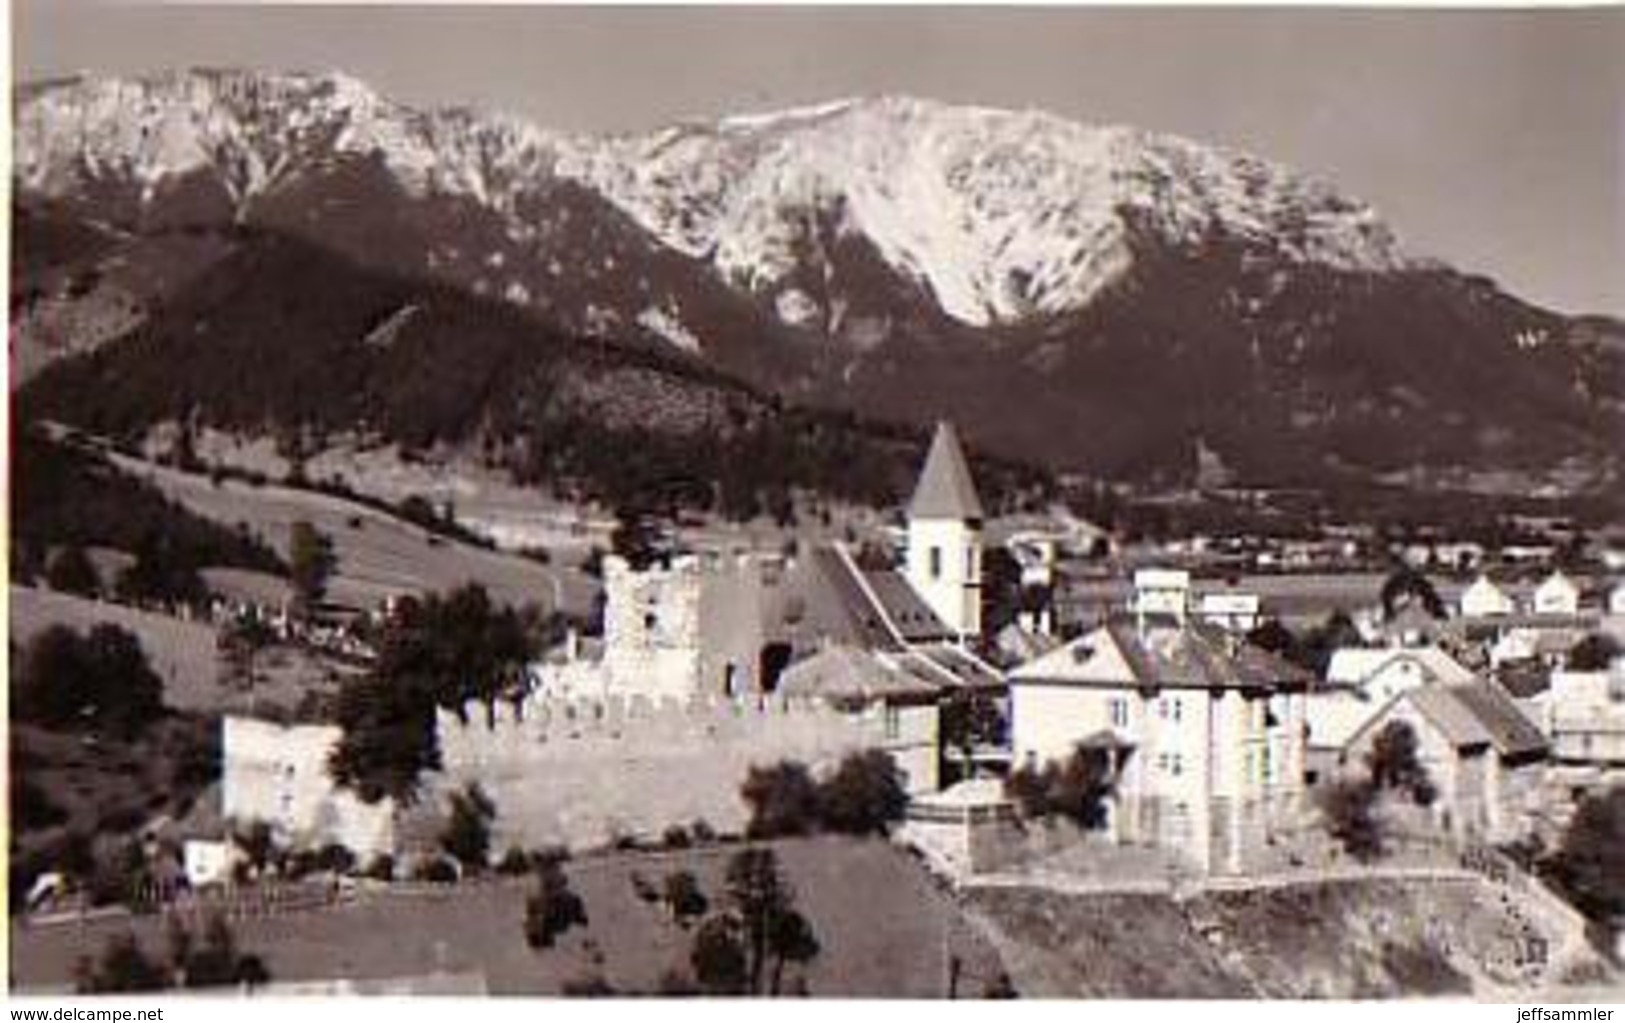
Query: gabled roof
point(1357, 666)
point(1164, 655)
point(872, 610)
point(1510, 730)
point(1476, 715)
point(946, 489)
point(842, 672)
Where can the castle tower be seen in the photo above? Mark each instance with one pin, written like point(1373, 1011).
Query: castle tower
point(945, 537)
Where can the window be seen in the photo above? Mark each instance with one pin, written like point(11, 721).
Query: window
point(1117, 707)
point(894, 722)
point(1177, 708)
point(1264, 767)
point(1176, 764)
point(970, 563)
point(936, 562)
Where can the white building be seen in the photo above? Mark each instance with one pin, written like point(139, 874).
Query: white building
point(944, 561)
point(1485, 759)
point(1205, 732)
point(1161, 591)
point(1616, 599)
point(1484, 599)
point(279, 774)
point(1582, 713)
point(1557, 595)
point(1360, 683)
point(1234, 612)
point(899, 689)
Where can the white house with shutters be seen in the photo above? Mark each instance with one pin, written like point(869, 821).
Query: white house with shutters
point(1203, 731)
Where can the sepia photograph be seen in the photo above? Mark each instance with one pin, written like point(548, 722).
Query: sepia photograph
point(838, 502)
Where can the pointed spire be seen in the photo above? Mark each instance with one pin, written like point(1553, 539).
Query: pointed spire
point(945, 490)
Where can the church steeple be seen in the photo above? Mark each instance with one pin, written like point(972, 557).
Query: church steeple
point(945, 537)
point(945, 489)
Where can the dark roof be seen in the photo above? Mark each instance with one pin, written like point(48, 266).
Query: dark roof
point(874, 610)
point(1511, 732)
point(912, 616)
point(1524, 680)
point(1201, 657)
point(946, 489)
point(958, 668)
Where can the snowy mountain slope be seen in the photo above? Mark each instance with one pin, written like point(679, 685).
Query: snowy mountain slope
point(998, 216)
point(903, 258)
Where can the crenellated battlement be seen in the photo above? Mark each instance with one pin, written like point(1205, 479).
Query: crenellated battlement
point(582, 770)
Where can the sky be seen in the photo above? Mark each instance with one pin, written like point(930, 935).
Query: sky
point(1491, 139)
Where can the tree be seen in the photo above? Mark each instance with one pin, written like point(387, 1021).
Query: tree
point(257, 842)
point(240, 642)
point(1394, 765)
point(1001, 589)
point(444, 651)
point(71, 571)
point(864, 796)
point(165, 571)
point(970, 718)
point(310, 563)
point(1596, 652)
point(1406, 585)
point(638, 536)
point(1589, 864)
point(718, 957)
point(772, 931)
point(1349, 806)
point(683, 898)
point(553, 908)
point(101, 679)
point(1076, 788)
point(468, 833)
point(783, 800)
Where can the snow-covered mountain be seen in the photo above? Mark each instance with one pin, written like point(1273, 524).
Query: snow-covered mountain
point(999, 216)
point(1146, 296)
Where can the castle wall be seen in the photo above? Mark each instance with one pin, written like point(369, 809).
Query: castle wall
point(584, 772)
point(278, 774)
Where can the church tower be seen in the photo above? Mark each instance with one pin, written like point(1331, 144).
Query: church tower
point(945, 537)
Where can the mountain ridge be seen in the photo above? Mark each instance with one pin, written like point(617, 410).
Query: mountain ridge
point(1146, 297)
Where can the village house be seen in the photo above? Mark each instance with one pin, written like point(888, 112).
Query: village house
point(1484, 599)
point(1360, 682)
point(1556, 595)
point(1484, 758)
point(1204, 731)
point(1582, 714)
point(867, 683)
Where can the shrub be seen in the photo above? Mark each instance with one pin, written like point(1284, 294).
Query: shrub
point(676, 837)
point(683, 897)
point(514, 863)
point(864, 796)
point(467, 837)
point(1589, 865)
point(1075, 789)
point(381, 867)
point(783, 800)
point(1349, 806)
point(553, 908)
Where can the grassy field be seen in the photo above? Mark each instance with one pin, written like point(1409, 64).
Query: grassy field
point(884, 926)
point(183, 653)
point(378, 555)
